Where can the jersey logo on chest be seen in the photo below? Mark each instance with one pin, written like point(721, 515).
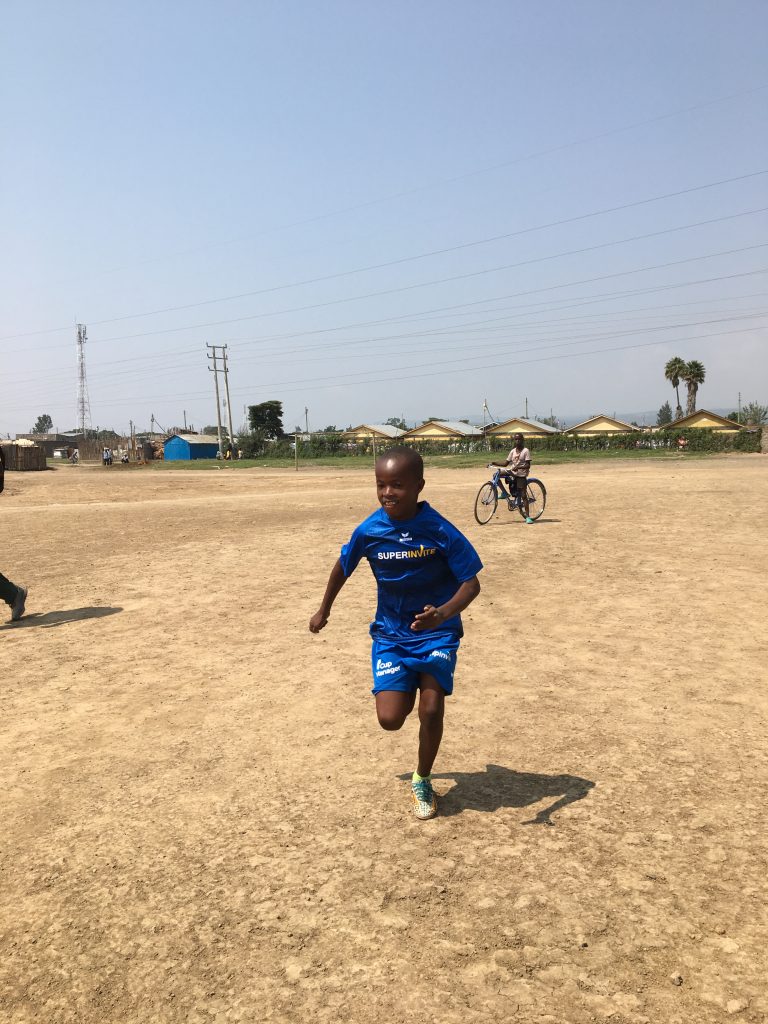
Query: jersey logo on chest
point(419, 552)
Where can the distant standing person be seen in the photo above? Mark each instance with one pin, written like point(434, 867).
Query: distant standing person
point(518, 466)
point(13, 595)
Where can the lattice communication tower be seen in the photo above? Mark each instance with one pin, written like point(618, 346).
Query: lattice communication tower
point(83, 403)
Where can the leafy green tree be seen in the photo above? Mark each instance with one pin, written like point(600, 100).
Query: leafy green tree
point(664, 415)
point(733, 416)
point(330, 430)
point(213, 429)
point(266, 418)
point(693, 375)
point(754, 414)
point(551, 421)
point(42, 425)
point(396, 421)
point(673, 371)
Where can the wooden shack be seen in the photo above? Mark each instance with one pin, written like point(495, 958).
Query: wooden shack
point(23, 456)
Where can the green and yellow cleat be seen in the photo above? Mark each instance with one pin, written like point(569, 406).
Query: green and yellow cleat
point(423, 796)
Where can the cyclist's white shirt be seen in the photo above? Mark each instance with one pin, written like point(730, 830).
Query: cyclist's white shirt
point(516, 462)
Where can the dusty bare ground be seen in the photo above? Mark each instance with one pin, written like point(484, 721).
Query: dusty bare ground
point(202, 821)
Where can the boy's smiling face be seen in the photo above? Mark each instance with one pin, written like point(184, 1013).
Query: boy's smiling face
point(398, 486)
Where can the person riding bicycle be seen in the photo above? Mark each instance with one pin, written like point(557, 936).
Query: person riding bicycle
point(517, 467)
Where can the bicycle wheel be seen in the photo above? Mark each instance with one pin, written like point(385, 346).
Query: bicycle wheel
point(485, 503)
point(537, 499)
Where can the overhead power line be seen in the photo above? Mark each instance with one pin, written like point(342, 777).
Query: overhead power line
point(409, 259)
point(469, 358)
point(160, 363)
point(304, 386)
point(475, 273)
point(439, 183)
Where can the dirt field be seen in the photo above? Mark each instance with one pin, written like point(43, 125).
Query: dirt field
point(202, 821)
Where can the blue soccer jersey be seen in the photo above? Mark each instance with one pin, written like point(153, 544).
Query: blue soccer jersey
point(416, 562)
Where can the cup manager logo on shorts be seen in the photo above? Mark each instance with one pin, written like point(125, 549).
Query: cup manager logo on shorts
point(420, 552)
point(386, 668)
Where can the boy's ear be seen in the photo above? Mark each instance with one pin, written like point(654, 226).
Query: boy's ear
point(421, 484)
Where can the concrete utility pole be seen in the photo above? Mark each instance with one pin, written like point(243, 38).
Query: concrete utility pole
point(229, 404)
point(526, 408)
point(215, 371)
point(306, 420)
point(739, 407)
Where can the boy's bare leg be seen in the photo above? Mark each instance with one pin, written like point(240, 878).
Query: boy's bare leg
point(393, 707)
point(431, 712)
point(523, 492)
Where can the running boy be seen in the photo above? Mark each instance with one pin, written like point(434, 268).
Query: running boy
point(426, 572)
point(518, 466)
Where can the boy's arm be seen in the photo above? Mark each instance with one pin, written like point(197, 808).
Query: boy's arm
point(431, 617)
point(336, 581)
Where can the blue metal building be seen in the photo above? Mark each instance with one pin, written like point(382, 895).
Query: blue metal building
point(183, 447)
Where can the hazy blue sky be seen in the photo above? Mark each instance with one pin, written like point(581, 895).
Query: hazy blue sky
point(157, 156)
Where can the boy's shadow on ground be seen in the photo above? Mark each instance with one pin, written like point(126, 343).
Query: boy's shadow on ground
point(499, 787)
point(50, 619)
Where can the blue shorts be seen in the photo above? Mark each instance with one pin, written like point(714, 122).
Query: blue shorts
point(397, 664)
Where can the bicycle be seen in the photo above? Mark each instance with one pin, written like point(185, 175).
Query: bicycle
point(487, 499)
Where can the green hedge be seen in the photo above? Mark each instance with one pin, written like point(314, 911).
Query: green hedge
point(321, 445)
point(699, 440)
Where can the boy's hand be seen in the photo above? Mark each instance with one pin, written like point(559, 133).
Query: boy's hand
point(318, 621)
point(428, 619)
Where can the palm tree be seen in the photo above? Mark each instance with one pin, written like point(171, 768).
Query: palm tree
point(693, 375)
point(673, 371)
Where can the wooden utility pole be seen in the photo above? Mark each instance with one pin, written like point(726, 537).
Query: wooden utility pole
point(215, 371)
point(229, 403)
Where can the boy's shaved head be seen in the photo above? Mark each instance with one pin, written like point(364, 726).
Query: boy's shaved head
point(405, 456)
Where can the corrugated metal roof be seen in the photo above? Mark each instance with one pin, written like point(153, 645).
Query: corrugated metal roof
point(627, 427)
point(540, 426)
point(380, 428)
point(197, 438)
point(722, 420)
point(454, 426)
point(536, 424)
